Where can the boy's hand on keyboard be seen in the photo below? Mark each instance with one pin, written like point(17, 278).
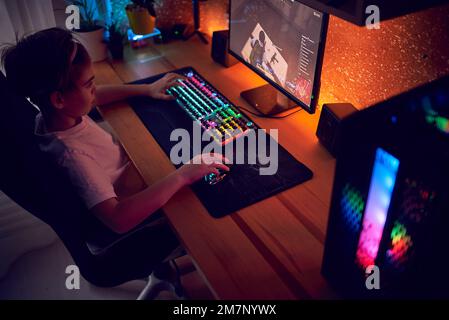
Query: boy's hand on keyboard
point(158, 89)
point(201, 166)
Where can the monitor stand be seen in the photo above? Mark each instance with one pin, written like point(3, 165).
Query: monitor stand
point(267, 100)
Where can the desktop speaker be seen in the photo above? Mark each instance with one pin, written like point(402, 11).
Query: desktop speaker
point(328, 131)
point(220, 40)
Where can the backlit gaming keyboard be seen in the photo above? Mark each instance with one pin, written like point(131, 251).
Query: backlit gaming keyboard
point(205, 105)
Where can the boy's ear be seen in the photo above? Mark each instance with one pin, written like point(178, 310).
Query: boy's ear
point(57, 100)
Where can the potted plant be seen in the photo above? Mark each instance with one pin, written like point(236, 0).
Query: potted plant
point(141, 16)
point(91, 32)
point(116, 40)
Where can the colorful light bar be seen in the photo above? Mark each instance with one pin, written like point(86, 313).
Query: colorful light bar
point(379, 197)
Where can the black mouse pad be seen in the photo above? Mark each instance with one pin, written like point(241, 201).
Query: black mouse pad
point(243, 185)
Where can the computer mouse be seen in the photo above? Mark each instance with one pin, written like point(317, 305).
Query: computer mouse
point(212, 178)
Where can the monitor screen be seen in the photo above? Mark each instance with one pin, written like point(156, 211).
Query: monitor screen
point(282, 41)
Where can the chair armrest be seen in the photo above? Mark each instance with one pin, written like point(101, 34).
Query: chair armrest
point(102, 240)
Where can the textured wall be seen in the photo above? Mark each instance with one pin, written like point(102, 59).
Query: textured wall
point(171, 12)
point(364, 66)
point(213, 14)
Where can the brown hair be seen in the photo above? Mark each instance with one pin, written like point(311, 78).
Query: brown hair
point(43, 63)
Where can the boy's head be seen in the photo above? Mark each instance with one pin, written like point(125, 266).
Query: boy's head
point(53, 70)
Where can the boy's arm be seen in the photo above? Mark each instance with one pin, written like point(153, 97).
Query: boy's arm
point(110, 93)
point(122, 216)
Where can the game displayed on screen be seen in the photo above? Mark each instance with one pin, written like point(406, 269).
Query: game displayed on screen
point(280, 38)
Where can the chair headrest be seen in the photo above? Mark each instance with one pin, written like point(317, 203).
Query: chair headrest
point(28, 176)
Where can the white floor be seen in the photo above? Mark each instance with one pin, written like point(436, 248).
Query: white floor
point(33, 262)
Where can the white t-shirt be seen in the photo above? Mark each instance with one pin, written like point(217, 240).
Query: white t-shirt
point(91, 156)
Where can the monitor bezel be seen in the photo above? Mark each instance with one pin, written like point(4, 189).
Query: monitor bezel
point(319, 64)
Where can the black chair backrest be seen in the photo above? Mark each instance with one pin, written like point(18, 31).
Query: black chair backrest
point(34, 182)
point(32, 179)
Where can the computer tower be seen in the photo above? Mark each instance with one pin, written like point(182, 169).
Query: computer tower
point(390, 200)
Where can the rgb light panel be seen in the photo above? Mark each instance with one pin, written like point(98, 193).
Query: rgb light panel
point(352, 205)
point(441, 123)
point(401, 242)
point(381, 188)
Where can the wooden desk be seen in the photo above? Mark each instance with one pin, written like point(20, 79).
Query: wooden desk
point(270, 250)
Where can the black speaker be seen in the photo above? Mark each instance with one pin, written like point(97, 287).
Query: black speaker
point(328, 131)
point(220, 48)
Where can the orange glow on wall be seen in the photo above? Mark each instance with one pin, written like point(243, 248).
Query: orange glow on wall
point(214, 15)
point(361, 66)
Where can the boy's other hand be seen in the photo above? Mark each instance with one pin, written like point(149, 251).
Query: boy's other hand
point(202, 165)
point(157, 90)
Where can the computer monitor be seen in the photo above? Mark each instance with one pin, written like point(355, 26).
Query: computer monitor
point(283, 42)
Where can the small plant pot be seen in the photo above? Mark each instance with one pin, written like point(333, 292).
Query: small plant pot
point(93, 41)
point(140, 20)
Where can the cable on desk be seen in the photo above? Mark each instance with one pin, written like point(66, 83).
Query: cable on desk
point(261, 115)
